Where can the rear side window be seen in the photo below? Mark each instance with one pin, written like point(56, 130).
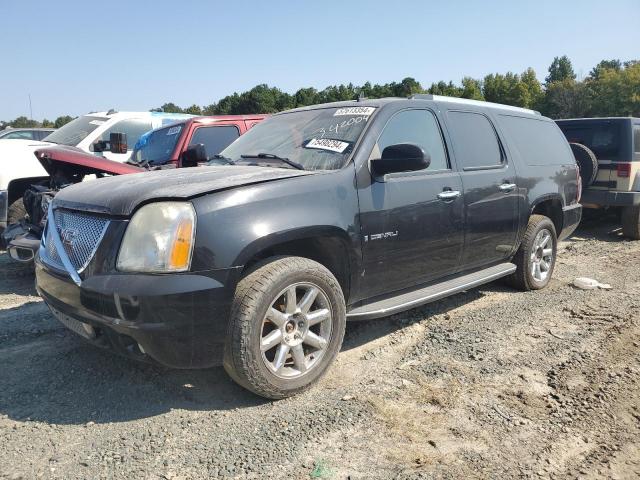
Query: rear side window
point(22, 134)
point(215, 139)
point(538, 142)
point(636, 138)
point(419, 127)
point(474, 140)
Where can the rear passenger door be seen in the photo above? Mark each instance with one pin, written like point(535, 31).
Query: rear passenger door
point(490, 189)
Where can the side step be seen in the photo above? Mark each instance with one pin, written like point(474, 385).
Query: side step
point(415, 298)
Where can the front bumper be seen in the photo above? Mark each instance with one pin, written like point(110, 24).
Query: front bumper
point(571, 217)
point(179, 321)
point(611, 198)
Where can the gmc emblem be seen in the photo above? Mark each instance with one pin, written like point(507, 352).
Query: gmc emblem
point(69, 236)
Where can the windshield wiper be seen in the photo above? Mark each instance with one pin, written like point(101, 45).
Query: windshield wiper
point(220, 157)
point(271, 156)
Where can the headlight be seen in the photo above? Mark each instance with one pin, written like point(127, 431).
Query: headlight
point(159, 238)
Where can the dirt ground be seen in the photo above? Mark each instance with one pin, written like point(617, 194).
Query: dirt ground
point(491, 383)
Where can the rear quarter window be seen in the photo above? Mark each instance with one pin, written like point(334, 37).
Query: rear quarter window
point(539, 142)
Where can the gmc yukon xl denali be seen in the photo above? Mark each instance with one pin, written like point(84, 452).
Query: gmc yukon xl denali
point(319, 215)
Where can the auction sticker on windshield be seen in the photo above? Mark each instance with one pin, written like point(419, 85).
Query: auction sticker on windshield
point(327, 144)
point(366, 111)
point(174, 130)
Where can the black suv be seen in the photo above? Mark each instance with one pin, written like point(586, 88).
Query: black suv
point(343, 211)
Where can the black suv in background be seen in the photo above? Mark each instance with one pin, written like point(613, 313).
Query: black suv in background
point(344, 211)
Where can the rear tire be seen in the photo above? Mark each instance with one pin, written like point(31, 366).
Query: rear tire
point(631, 222)
point(278, 343)
point(536, 257)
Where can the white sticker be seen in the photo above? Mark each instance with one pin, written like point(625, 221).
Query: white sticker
point(327, 144)
point(97, 122)
point(354, 111)
point(174, 130)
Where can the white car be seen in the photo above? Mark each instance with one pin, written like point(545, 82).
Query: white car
point(87, 132)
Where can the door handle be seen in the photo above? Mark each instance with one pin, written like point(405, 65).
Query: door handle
point(507, 187)
point(449, 195)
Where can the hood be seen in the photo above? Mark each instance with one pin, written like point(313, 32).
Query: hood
point(17, 160)
point(121, 195)
point(73, 158)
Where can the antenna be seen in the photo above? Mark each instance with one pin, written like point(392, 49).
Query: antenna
point(30, 109)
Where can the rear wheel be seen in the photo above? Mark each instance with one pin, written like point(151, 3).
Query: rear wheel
point(536, 257)
point(631, 222)
point(286, 328)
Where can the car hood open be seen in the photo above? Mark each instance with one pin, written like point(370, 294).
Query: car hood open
point(121, 195)
point(72, 158)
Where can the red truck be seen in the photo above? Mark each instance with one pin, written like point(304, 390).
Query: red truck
point(187, 143)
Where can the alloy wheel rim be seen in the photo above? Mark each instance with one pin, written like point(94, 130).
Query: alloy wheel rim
point(541, 259)
point(296, 330)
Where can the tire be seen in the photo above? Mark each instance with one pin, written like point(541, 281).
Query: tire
point(631, 222)
point(524, 278)
point(16, 212)
point(297, 352)
point(587, 163)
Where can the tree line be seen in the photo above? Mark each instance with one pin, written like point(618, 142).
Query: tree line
point(612, 88)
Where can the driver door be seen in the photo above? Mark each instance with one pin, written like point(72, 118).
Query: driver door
point(412, 222)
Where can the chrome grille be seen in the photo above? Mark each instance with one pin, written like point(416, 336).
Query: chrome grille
point(80, 234)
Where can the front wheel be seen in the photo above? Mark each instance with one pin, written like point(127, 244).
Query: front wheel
point(536, 257)
point(286, 327)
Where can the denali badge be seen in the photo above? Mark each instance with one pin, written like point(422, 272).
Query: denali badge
point(380, 236)
point(69, 235)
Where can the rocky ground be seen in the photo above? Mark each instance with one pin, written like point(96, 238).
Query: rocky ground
point(491, 383)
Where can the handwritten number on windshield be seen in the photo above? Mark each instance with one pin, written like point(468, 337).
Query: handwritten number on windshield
point(335, 128)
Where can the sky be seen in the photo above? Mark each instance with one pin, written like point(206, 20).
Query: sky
point(76, 56)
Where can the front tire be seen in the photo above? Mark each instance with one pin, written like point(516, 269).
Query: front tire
point(536, 257)
point(286, 327)
point(631, 222)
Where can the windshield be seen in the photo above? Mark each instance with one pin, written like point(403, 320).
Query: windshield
point(75, 131)
point(320, 139)
point(157, 146)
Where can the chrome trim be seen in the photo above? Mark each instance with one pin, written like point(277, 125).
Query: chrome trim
point(449, 195)
point(383, 312)
point(507, 187)
point(51, 223)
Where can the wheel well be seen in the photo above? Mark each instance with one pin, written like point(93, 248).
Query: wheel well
point(17, 187)
point(329, 251)
point(552, 209)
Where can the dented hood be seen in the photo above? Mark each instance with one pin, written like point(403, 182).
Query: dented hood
point(72, 158)
point(119, 196)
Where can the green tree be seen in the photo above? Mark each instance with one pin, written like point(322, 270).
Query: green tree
point(47, 123)
point(193, 110)
point(605, 65)
point(23, 122)
point(171, 108)
point(63, 120)
point(472, 89)
point(533, 95)
point(567, 99)
point(616, 92)
point(560, 69)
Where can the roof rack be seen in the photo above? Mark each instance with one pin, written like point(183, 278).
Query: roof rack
point(466, 101)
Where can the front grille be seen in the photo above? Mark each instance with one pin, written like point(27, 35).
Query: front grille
point(80, 234)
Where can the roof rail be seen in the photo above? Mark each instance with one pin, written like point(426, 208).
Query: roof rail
point(466, 101)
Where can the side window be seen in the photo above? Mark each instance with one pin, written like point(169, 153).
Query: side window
point(636, 138)
point(419, 127)
point(474, 140)
point(215, 139)
point(134, 128)
point(22, 134)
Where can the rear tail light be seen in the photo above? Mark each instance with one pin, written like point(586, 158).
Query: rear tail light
point(624, 170)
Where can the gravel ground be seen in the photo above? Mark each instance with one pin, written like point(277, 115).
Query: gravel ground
point(491, 383)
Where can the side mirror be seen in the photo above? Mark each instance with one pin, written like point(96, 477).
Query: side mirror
point(99, 146)
point(402, 157)
point(194, 155)
point(117, 142)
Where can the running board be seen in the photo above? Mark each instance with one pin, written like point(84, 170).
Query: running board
point(415, 298)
